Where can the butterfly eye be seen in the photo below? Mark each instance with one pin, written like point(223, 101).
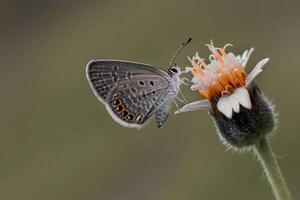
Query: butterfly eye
point(174, 70)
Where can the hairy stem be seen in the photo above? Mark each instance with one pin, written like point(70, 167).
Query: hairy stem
point(268, 161)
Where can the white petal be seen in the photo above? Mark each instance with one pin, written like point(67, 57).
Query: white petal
point(246, 57)
point(197, 105)
point(234, 103)
point(242, 96)
point(194, 80)
point(195, 87)
point(243, 59)
point(238, 57)
point(257, 70)
point(225, 107)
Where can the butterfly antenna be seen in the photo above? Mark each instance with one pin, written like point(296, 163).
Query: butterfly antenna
point(179, 50)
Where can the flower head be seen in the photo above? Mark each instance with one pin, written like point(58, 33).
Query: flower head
point(241, 112)
point(221, 76)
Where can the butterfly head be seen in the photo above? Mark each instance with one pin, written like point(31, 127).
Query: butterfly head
point(174, 70)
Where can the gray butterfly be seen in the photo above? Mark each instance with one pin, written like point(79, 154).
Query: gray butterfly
point(133, 92)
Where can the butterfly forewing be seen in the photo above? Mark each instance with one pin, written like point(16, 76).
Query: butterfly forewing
point(104, 74)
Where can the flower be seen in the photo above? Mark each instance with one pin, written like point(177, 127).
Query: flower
point(241, 112)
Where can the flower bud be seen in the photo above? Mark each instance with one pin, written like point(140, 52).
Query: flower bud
point(247, 126)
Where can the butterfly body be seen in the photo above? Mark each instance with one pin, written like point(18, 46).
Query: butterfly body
point(133, 92)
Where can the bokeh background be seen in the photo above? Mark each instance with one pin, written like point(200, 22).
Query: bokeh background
point(58, 142)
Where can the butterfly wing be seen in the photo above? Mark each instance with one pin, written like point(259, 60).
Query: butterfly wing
point(132, 92)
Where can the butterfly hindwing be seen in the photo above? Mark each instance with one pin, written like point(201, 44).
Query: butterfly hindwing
point(134, 109)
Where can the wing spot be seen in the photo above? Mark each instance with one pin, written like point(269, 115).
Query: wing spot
point(133, 90)
point(115, 68)
point(143, 93)
point(141, 83)
point(119, 108)
point(130, 117)
point(140, 119)
point(116, 102)
point(129, 75)
point(151, 83)
point(124, 113)
point(148, 106)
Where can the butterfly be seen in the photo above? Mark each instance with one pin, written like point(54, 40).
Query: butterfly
point(133, 92)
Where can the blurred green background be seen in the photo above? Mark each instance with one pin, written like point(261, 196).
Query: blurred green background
point(58, 142)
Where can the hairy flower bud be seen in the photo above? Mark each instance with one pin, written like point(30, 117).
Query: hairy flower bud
point(248, 125)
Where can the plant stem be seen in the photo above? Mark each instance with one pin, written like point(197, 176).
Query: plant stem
point(266, 156)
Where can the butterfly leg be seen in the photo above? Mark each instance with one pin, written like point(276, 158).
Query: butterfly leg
point(187, 69)
point(173, 99)
point(185, 81)
point(184, 99)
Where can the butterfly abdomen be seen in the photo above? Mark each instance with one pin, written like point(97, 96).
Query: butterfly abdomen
point(162, 114)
